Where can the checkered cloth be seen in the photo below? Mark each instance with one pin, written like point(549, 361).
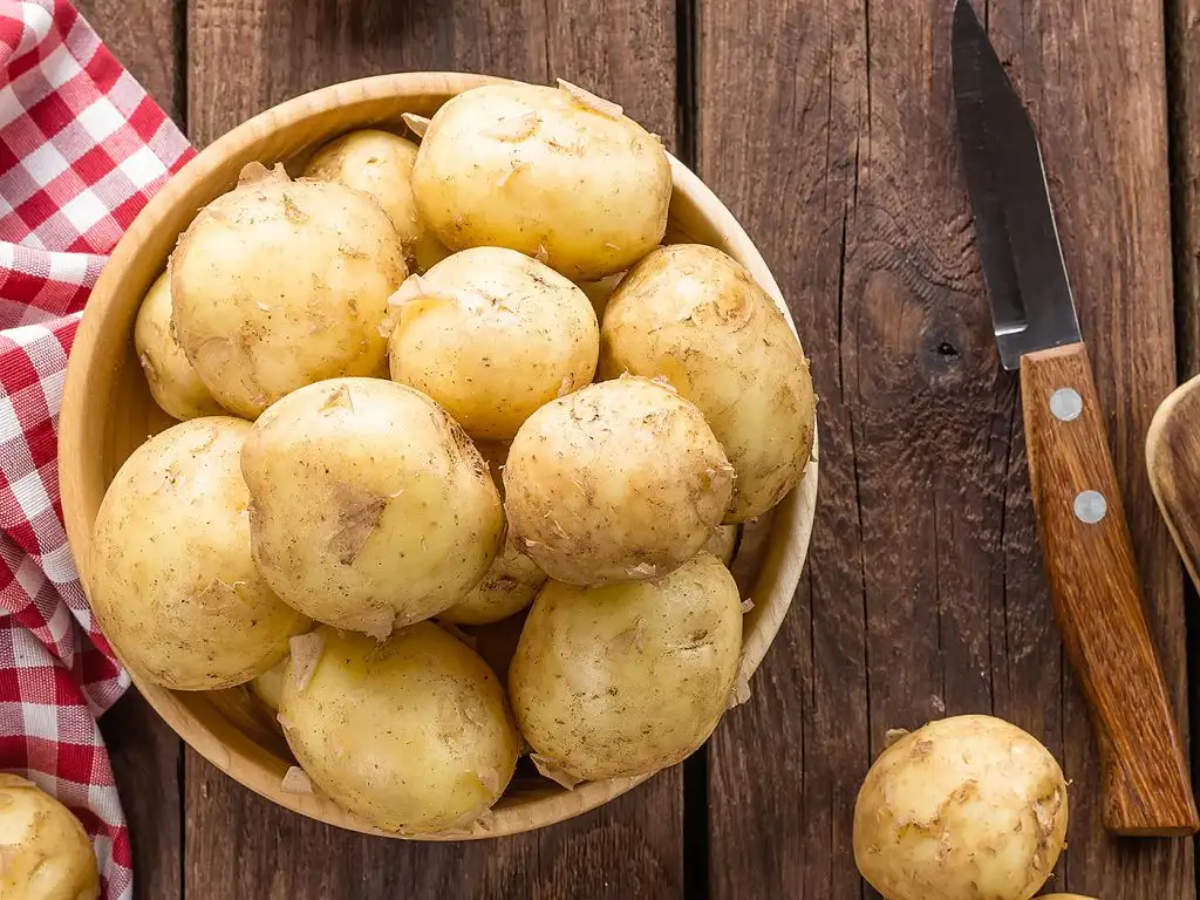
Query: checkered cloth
point(82, 148)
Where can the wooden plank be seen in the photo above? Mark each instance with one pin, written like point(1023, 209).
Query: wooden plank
point(1183, 93)
point(924, 572)
point(245, 55)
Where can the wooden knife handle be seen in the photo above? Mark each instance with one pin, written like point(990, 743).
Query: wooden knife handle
point(1097, 598)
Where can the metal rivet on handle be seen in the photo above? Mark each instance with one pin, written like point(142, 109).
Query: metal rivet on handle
point(1090, 506)
point(1066, 404)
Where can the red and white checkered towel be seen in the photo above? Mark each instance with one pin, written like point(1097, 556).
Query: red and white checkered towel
point(82, 148)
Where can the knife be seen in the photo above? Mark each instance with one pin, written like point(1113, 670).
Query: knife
point(1081, 523)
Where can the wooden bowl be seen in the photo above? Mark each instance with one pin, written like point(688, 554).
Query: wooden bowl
point(107, 412)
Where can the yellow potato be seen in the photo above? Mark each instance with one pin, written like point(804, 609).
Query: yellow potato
point(372, 509)
point(629, 678)
point(380, 163)
point(278, 284)
point(600, 291)
point(963, 808)
point(722, 543)
point(173, 583)
point(513, 578)
point(621, 480)
point(693, 315)
point(414, 735)
point(268, 686)
point(551, 172)
point(492, 335)
point(44, 852)
point(174, 384)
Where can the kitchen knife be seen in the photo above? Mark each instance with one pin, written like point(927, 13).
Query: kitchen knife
point(1085, 540)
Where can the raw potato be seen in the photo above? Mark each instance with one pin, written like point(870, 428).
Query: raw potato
point(547, 171)
point(693, 315)
point(380, 163)
point(722, 543)
point(493, 335)
point(964, 808)
point(619, 481)
point(280, 284)
point(173, 382)
point(414, 735)
point(630, 678)
point(372, 509)
point(268, 686)
point(44, 852)
point(599, 291)
point(513, 578)
point(173, 583)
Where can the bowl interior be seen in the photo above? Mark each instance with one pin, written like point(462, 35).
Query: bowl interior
point(108, 412)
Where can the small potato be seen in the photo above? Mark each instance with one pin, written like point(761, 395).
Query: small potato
point(600, 291)
point(174, 384)
point(694, 316)
point(619, 481)
point(493, 335)
point(513, 578)
point(380, 163)
point(268, 686)
point(279, 284)
point(414, 735)
point(722, 543)
point(44, 852)
point(372, 509)
point(963, 808)
point(630, 678)
point(552, 172)
point(173, 583)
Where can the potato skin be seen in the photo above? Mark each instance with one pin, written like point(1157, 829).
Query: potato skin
point(372, 509)
point(47, 855)
point(963, 808)
point(620, 481)
point(693, 315)
point(530, 168)
point(173, 381)
point(723, 542)
point(380, 163)
point(279, 284)
point(493, 335)
point(174, 585)
point(414, 734)
point(627, 679)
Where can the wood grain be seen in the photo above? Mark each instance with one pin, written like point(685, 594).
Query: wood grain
point(1094, 581)
point(1173, 463)
point(1183, 103)
point(925, 593)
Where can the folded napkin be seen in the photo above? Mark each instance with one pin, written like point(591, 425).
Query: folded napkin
point(82, 148)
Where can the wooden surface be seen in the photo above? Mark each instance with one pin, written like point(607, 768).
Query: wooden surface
point(1173, 464)
point(828, 129)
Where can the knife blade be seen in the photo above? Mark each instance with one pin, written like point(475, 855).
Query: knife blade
point(1088, 554)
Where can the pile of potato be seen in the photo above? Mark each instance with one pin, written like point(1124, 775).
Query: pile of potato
point(402, 414)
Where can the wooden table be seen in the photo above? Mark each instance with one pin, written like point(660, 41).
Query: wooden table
point(828, 129)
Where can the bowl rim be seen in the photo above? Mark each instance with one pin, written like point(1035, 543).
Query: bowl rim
point(795, 513)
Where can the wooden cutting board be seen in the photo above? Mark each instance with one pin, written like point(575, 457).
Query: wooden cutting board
point(1173, 462)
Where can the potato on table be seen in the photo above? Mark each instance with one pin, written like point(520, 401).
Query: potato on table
point(552, 172)
point(693, 315)
point(414, 735)
point(372, 509)
point(173, 583)
point(44, 852)
point(620, 481)
point(380, 163)
point(492, 335)
point(963, 808)
point(279, 284)
point(627, 679)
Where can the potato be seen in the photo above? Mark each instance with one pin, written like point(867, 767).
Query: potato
point(414, 735)
point(963, 808)
point(173, 583)
point(599, 291)
point(278, 284)
point(174, 384)
point(722, 543)
point(380, 163)
point(492, 335)
point(513, 578)
point(691, 314)
point(372, 509)
point(552, 172)
point(268, 686)
point(44, 852)
point(619, 481)
point(627, 679)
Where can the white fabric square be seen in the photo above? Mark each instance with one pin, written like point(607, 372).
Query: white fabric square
point(142, 166)
point(41, 720)
point(101, 119)
point(59, 67)
point(44, 165)
point(84, 211)
point(31, 494)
